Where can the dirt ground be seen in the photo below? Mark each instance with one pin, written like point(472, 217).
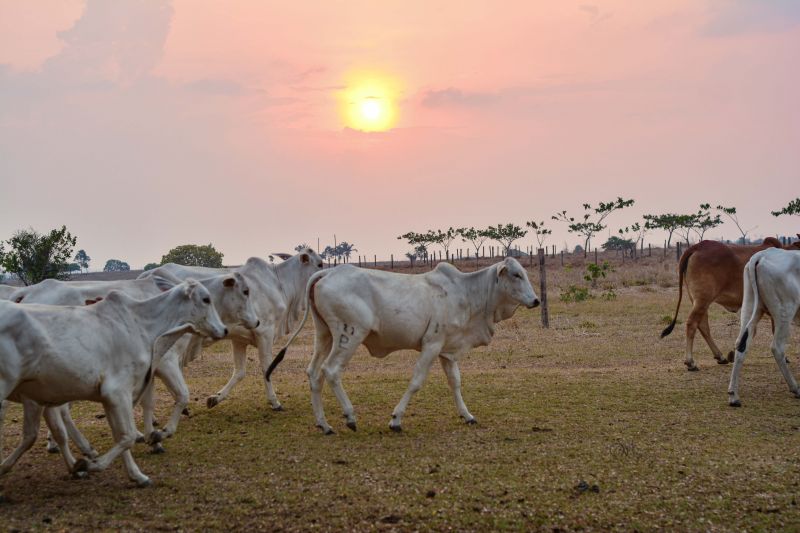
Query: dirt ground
point(593, 424)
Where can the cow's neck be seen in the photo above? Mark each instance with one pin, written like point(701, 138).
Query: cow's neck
point(487, 307)
point(292, 285)
point(161, 316)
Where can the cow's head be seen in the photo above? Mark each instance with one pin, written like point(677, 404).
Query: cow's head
point(232, 300)
point(310, 259)
point(202, 314)
point(513, 283)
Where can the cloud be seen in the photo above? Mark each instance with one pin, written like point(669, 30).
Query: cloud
point(734, 17)
point(456, 97)
point(595, 13)
point(214, 86)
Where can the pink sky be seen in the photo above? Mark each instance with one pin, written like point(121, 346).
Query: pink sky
point(145, 125)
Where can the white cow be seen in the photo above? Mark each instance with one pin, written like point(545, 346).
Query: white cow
point(230, 295)
point(771, 285)
point(278, 295)
point(6, 291)
point(105, 353)
point(442, 313)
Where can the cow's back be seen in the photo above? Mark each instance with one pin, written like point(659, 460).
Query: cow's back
point(714, 271)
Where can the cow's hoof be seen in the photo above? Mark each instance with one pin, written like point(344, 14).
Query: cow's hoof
point(185, 412)
point(155, 422)
point(278, 407)
point(396, 429)
point(797, 393)
point(80, 466)
point(692, 368)
point(212, 401)
point(53, 448)
point(352, 425)
point(722, 361)
point(735, 403)
point(140, 439)
point(730, 356)
point(83, 474)
point(472, 421)
point(155, 437)
point(157, 449)
point(144, 483)
point(329, 431)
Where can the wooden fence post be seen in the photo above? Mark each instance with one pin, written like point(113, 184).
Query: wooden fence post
point(543, 290)
point(678, 252)
point(392, 261)
point(562, 258)
point(376, 260)
point(595, 256)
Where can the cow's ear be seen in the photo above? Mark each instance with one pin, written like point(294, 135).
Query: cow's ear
point(229, 282)
point(163, 284)
point(191, 285)
point(501, 268)
point(305, 258)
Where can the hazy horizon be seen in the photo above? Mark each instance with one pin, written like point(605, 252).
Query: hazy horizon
point(142, 126)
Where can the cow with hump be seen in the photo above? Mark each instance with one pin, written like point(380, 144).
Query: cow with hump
point(771, 285)
point(230, 295)
point(441, 314)
point(712, 272)
point(277, 293)
point(104, 353)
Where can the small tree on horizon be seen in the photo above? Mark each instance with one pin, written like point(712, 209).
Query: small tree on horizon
point(506, 235)
point(194, 255)
point(34, 257)
point(669, 222)
point(476, 237)
point(540, 231)
point(150, 266)
point(115, 265)
point(730, 213)
point(593, 218)
point(793, 208)
point(82, 259)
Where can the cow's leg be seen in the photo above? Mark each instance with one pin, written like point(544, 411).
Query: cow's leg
point(264, 345)
point(119, 413)
point(151, 436)
point(3, 409)
point(733, 386)
point(316, 379)
point(58, 432)
point(421, 369)
point(698, 313)
point(239, 361)
point(30, 430)
point(453, 374)
point(344, 347)
point(782, 334)
point(170, 373)
point(75, 435)
point(705, 331)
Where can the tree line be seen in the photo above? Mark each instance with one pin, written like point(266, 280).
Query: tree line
point(32, 256)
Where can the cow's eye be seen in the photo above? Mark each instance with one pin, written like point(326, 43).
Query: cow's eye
point(518, 276)
point(247, 292)
point(206, 300)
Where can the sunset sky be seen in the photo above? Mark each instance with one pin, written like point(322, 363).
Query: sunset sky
point(258, 125)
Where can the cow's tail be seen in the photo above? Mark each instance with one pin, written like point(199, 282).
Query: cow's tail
point(282, 353)
point(682, 265)
point(747, 332)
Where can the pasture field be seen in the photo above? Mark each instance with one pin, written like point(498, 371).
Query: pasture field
point(593, 424)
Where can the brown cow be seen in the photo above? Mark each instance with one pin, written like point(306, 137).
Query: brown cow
point(713, 274)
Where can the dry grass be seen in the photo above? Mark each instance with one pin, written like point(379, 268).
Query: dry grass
point(592, 424)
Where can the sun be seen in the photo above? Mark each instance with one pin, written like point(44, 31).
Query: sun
point(369, 103)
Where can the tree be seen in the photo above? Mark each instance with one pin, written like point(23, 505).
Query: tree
point(730, 212)
point(636, 230)
point(506, 235)
point(34, 257)
point(792, 209)
point(73, 267)
point(150, 266)
point(442, 238)
point(540, 231)
point(345, 249)
point(591, 225)
point(83, 260)
point(618, 244)
point(703, 221)
point(476, 237)
point(194, 255)
point(668, 222)
point(115, 265)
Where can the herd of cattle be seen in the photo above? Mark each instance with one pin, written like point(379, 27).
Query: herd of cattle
point(105, 341)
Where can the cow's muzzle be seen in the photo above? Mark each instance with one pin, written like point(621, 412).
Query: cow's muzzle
point(534, 304)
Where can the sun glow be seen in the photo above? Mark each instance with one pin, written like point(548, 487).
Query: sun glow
point(369, 103)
